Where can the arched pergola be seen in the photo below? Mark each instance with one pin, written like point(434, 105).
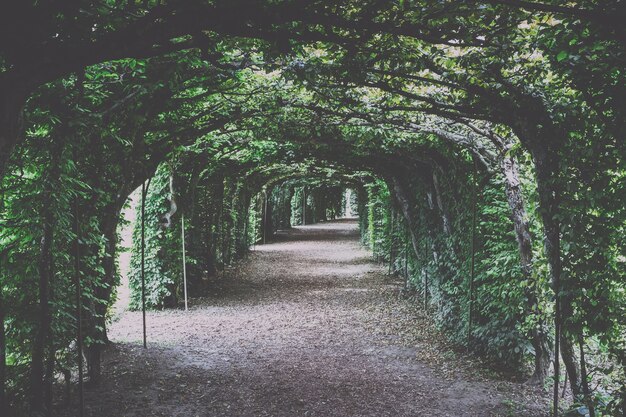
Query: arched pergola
point(492, 129)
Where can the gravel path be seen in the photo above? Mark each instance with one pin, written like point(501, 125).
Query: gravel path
point(305, 326)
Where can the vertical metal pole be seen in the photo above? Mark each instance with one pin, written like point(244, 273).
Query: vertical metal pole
point(78, 294)
point(245, 226)
point(406, 255)
point(143, 260)
point(392, 237)
point(3, 352)
point(78, 291)
point(304, 205)
point(473, 259)
point(255, 224)
point(182, 219)
point(425, 271)
point(583, 375)
point(79, 308)
point(265, 217)
point(222, 233)
point(557, 345)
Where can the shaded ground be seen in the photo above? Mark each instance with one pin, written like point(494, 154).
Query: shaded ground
point(306, 326)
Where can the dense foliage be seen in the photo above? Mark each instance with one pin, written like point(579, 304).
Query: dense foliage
point(483, 142)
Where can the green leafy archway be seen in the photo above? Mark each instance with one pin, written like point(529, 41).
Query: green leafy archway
point(484, 141)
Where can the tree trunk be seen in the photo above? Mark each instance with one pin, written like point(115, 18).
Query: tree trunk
point(3, 351)
point(266, 212)
point(42, 339)
point(432, 219)
point(546, 163)
point(407, 205)
point(51, 353)
point(524, 240)
point(445, 216)
point(103, 292)
point(11, 103)
point(584, 376)
point(42, 334)
point(567, 349)
point(522, 232)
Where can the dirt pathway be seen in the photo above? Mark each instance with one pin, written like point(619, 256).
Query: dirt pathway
point(306, 326)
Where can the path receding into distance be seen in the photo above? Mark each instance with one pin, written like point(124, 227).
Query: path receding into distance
point(305, 326)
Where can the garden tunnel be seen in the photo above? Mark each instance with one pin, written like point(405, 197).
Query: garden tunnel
point(483, 144)
point(227, 212)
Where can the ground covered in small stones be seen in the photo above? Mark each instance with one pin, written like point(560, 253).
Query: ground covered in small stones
point(305, 326)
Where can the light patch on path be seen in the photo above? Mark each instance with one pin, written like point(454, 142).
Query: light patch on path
point(288, 333)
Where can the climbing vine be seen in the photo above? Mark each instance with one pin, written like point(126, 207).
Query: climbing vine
point(483, 143)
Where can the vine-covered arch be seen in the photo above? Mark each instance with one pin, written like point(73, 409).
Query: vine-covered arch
point(484, 141)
